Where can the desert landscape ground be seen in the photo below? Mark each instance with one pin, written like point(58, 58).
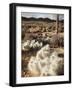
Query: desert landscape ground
point(36, 34)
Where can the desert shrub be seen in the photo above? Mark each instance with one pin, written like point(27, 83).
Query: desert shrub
point(46, 63)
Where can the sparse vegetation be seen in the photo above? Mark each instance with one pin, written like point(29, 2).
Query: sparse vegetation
point(37, 33)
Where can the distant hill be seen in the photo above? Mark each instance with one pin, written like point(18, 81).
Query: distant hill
point(38, 19)
point(62, 21)
point(41, 19)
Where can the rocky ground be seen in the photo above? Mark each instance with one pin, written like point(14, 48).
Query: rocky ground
point(45, 32)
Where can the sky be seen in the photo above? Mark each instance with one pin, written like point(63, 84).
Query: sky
point(42, 15)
